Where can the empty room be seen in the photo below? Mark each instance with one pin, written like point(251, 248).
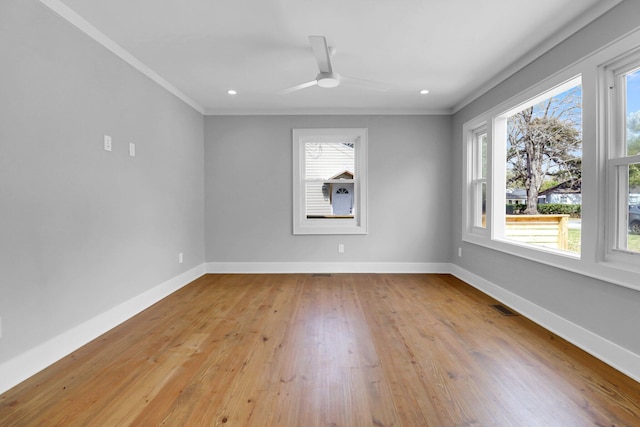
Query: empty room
point(339, 213)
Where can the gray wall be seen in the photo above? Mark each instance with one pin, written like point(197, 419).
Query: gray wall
point(606, 309)
point(83, 230)
point(248, 189)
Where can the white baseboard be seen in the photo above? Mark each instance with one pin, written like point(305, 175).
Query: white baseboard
point(611, 353)
point(18, 369)
point(326, 267)
point(31, 362)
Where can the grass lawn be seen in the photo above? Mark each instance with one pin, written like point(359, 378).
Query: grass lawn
point(633, 242)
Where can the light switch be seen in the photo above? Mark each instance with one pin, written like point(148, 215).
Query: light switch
point(107, 143)
point(132, 149)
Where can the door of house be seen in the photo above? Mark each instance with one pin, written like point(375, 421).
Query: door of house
point(342, 199)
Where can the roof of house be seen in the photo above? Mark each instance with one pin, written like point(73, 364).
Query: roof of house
point(567, 187)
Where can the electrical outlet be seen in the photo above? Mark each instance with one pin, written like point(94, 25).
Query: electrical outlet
point(340, 248)
point(107, 143)
point(460, 252)
point(180, 258)
point(132, 149)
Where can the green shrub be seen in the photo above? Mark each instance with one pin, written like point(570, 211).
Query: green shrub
point(559, 208)
point(547, 209)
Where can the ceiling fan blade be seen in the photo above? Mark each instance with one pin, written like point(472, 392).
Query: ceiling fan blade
point(366, 84)
point(298, 87)
point(321, 52)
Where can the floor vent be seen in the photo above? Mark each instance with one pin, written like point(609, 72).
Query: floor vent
point(503, 310)
point(321, 275)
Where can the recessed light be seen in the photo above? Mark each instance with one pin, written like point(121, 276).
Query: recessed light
point(231, 92)
point(424, 92)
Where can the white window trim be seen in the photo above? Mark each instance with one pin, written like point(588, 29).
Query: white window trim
point(596, 259)
point(471, 180)
point(355, 225)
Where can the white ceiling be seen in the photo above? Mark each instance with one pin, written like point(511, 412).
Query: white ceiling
point(454, 48)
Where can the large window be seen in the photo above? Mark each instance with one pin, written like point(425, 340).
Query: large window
point(533, 195)
point(543, 168)
point(329, 181)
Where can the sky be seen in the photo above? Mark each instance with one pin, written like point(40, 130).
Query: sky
point(633, 92)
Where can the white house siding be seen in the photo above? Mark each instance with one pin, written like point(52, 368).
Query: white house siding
point(567, 198)
point(316, 204)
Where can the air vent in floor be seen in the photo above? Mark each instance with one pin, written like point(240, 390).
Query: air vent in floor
point(321, 275)
point(503, 310)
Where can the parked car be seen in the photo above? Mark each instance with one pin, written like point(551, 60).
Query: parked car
point(634, 219)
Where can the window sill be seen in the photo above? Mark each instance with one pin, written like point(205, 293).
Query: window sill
point(330, 216)
point(328, 229)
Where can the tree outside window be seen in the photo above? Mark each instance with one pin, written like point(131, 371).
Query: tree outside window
point(544, 146)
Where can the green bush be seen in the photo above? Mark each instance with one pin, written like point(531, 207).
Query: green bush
point(547, 209)
point(559, 208)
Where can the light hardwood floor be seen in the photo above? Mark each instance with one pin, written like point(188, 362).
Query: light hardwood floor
point(304, 351)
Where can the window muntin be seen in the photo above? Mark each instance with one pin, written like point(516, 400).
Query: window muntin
point(329, 181)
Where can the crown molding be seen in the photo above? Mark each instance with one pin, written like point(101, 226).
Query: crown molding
point(326, 112)
point(83, 25)
point(555, 39)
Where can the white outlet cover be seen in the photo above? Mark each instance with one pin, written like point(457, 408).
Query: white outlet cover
point(132, 149)
point(107, 143)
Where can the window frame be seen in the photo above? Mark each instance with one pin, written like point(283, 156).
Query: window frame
point(356, 225)
point(500, 123)
point(474, 178)
point(612, 76)
point(495, 123)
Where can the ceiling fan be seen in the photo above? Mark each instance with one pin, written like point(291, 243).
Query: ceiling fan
point(327, 78)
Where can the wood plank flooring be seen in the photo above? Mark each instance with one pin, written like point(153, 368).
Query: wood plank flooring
point(347, 350)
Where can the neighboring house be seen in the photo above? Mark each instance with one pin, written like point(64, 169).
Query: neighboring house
point(516, 197)
point(568, 193)
point(340, 194)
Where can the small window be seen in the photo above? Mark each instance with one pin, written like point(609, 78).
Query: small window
point(479, 180)
point(624, 155)
point(329, 181)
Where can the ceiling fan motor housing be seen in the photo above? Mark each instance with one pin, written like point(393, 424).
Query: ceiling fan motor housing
point(328, 80)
